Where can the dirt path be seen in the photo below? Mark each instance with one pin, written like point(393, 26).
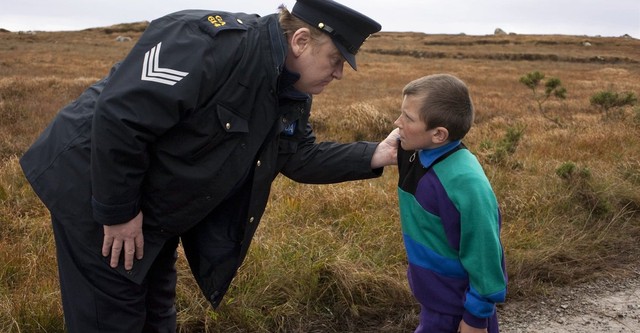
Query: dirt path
point(603, 306)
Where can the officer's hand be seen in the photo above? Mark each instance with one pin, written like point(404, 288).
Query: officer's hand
point(387, 151)
point(126, 236)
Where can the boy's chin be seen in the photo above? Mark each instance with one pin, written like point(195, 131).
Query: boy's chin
point(405, 146)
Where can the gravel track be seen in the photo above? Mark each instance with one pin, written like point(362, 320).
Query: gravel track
point(601, 306)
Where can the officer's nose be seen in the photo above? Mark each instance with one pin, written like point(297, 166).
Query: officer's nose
point(337, 73)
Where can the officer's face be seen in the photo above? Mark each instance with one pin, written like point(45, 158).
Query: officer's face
point(318, 62)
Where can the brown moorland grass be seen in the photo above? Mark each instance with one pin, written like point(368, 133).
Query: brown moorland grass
point(330, 258)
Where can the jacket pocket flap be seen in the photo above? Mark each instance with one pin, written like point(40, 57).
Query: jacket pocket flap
point(230, 121)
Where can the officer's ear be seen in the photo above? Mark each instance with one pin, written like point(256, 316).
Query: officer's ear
point(300, 41)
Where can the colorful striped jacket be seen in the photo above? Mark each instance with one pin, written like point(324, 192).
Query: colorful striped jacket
point(451, 227)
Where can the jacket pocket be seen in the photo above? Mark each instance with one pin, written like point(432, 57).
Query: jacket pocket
point(227, 124)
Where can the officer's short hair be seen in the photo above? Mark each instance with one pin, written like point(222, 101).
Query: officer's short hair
point(348, 28)
point(290, 24)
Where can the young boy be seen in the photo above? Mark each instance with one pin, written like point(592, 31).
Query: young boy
point(449, 213)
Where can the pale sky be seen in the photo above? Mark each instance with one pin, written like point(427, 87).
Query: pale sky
point(566, 17)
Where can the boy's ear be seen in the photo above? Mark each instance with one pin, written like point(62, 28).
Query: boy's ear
point(441, 135)
point(299, 41)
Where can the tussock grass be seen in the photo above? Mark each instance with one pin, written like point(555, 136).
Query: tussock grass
point(330, 258)
point(28, 272)
point(28, 104)
point(360, 121)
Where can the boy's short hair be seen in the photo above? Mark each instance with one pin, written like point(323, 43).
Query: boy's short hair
point(445, 103)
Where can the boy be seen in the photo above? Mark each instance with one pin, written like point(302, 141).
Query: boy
point(449, 213)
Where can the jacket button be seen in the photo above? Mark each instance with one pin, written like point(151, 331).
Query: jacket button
point(258, 163)
point(284, 120)
point(251, 219)
point(227, 126)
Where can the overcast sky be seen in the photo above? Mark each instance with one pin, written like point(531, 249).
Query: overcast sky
point(566, 17)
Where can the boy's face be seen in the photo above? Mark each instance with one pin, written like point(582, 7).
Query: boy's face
point(413, 132)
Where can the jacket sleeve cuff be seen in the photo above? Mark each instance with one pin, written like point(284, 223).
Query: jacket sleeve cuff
point(474, 321)
point(114, 214)
point(370, 148)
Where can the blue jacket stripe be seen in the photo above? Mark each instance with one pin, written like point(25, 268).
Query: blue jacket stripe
point(424, 257)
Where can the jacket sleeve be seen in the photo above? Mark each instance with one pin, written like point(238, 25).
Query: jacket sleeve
point(481, 251)
point(165, 77)
point(330, 162)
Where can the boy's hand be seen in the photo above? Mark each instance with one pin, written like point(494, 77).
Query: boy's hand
point(465, 328)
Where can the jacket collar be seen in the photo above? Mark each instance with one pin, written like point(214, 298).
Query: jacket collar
point(428, 156)
point(278, 42)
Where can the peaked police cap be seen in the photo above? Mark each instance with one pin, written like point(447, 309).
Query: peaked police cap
point(348, 28)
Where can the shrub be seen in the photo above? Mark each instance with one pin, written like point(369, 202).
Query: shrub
point(505, 147)
point(612, 103)
point(552, 87)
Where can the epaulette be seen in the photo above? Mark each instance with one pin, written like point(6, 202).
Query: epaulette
point(216, 22)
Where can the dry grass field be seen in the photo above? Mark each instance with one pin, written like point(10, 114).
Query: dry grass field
point(330, 258)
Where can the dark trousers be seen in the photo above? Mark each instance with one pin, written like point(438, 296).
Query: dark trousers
point(96, 298)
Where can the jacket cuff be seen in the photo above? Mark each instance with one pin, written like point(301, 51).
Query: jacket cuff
point(474, 321)
point(370, 148)
point(114, 214)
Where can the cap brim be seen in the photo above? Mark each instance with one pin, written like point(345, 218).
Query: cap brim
point(348, 56)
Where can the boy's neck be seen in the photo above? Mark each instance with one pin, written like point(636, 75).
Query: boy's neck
point(428, 156)
point(437, 145)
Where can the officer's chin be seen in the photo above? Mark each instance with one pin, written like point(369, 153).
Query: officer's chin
point(316, 90)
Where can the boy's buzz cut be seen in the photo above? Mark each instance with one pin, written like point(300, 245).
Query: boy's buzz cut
point(446, 102)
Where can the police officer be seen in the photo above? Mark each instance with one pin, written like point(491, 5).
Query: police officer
point(181, 141)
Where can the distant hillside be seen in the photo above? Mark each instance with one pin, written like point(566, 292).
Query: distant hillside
point(123, 27)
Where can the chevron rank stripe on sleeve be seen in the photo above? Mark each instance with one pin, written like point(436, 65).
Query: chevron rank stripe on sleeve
point(151, 70)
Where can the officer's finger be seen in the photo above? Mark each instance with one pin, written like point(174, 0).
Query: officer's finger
point(129, 252)
point(106, 245)
point(116, 248)
point(139, 246)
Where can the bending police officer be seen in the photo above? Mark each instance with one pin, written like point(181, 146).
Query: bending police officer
point(180, 142)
